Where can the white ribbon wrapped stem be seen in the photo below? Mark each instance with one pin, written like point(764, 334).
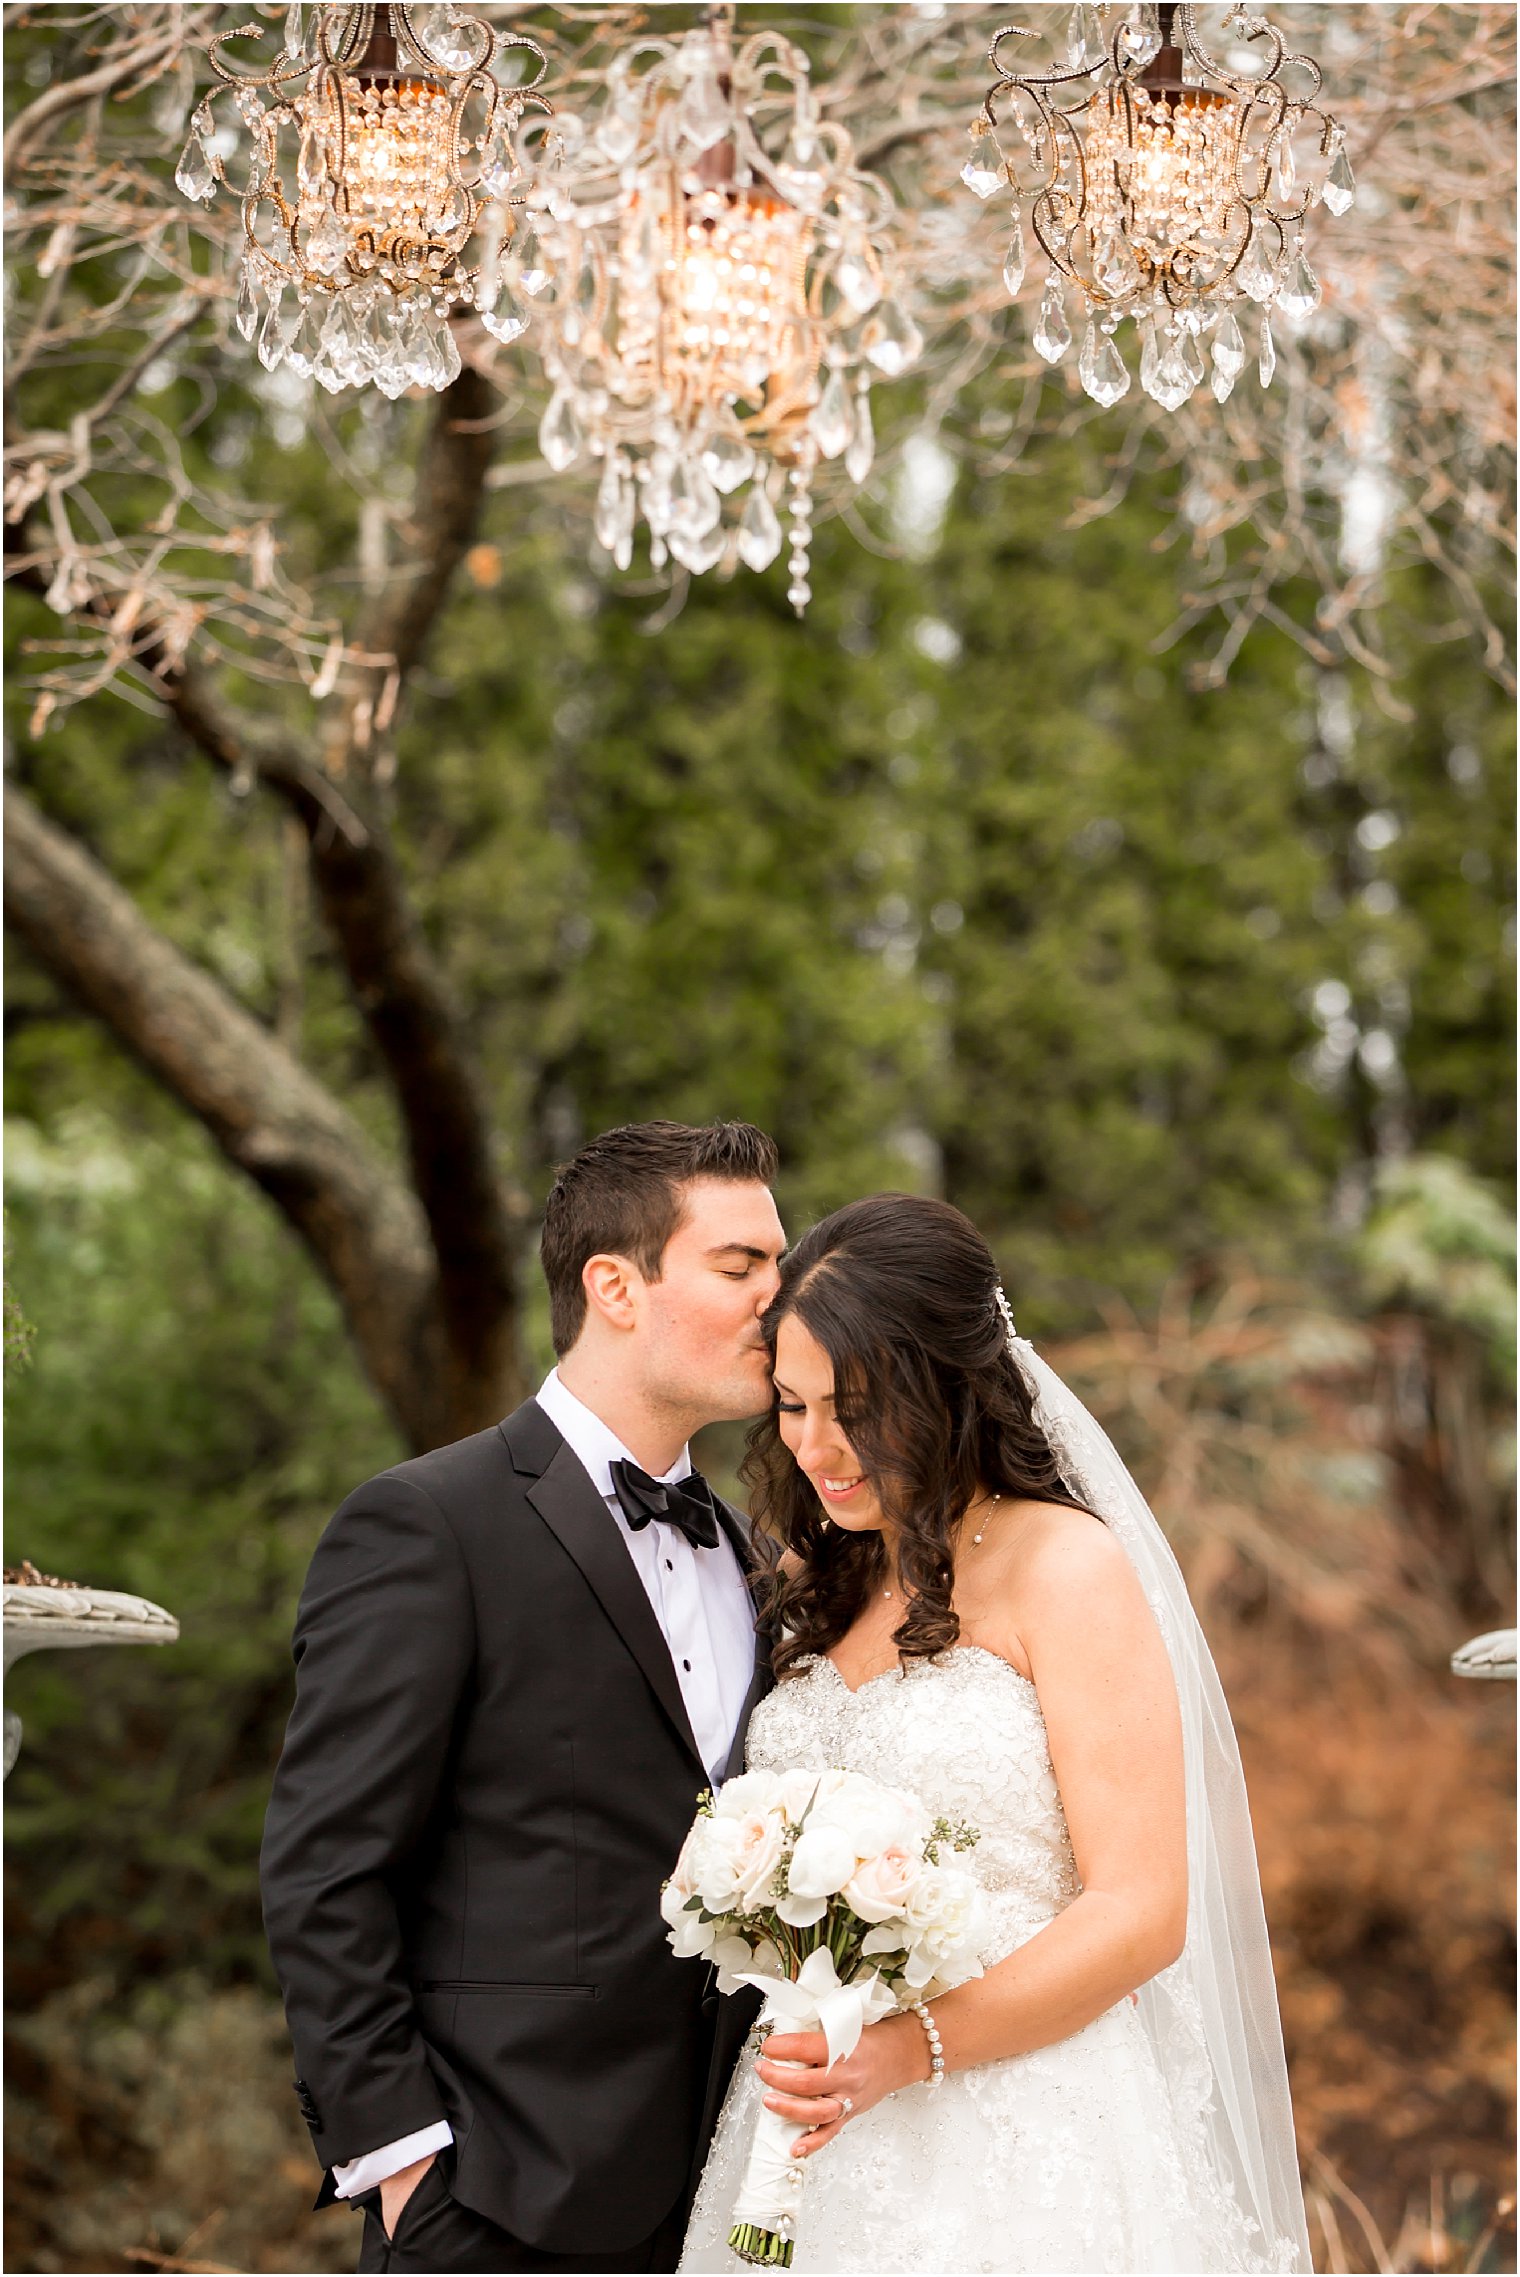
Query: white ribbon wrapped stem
point(815, 2001)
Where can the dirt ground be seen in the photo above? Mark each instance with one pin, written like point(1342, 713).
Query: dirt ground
point(1384, 1815)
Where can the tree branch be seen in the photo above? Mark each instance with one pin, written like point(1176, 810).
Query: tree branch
point(396, 981)
point(269, 1116)
point(144, 58)
point(451, 476)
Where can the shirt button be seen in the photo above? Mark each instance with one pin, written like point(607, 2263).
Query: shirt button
point(686, 1664)
point(670, 1565)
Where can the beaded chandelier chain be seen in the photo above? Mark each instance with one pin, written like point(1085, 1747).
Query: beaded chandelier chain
point(389, 146)
point(1168, 185)
point(721, 300)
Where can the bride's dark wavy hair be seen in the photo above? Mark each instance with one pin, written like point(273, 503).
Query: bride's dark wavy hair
point(900, 1291)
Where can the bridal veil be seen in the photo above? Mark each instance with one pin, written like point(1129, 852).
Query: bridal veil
point(1217, 2005)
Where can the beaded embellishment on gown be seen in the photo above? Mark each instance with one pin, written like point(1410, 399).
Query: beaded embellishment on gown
point(1079, 2157)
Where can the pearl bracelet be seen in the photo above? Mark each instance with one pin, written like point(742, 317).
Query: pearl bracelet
point(936, 2044)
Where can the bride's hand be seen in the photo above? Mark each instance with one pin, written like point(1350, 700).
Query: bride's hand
point(888, 2055)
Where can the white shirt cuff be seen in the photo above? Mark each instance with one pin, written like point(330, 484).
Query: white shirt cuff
point(357, 2175)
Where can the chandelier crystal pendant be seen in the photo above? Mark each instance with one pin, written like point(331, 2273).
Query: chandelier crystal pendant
point(1169, 185)
point(721, 300)
point(385, 158)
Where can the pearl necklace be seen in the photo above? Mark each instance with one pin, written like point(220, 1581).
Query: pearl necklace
point(992, 1505)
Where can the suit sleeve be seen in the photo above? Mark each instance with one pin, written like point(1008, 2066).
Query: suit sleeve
point(384, 1643)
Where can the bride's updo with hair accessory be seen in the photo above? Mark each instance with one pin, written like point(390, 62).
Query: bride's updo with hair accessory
point(903, 1295)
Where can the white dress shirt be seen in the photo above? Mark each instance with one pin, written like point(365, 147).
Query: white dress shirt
point(700, 1597)
point(702, 1602)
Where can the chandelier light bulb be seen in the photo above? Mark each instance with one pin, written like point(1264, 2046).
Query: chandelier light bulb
point(382, 174)
point(720, 300)
point(1167, 188)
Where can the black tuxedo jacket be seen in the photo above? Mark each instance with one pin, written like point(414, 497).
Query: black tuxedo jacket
point(487, 1775)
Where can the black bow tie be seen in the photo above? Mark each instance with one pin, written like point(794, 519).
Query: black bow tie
point(687, 1504)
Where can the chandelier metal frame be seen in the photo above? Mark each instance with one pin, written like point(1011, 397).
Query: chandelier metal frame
point(382, 106)
point(688, 372)
point(1168, 192)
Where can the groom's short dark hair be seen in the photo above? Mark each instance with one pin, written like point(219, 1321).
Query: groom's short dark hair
point(623, 1194)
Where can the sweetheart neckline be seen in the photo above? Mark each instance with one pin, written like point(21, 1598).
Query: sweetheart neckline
point(854, 1690)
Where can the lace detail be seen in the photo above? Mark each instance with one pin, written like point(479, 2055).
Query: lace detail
point(1084, 2156)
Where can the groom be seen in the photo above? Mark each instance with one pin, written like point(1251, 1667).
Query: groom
point(519, 1661)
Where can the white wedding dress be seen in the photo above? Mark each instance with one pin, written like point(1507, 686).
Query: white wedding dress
point(1092, 2154)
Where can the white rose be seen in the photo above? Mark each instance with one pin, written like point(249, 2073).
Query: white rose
point(761, 1840)
point(946, 1918)
point(940, 1896)
point(690, 1935)
point(673, 1901)
point(822, 1862)
point(715, 1864)
point(876, 1818)
point(684, 1877)
point(750, 1791)
point(799, 1793)
point(767, 1961)
point(881, 1886)
point(693, 1940)
point(843, 1792)
point(736, 1960)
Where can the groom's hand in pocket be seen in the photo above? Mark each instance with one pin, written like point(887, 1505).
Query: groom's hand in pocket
point(397, 2188)
point(801, 2085)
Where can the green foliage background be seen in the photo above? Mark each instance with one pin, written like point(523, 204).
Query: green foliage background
point(961, 883)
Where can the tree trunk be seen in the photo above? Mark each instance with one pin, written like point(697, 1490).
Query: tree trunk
point(274, 1120)
point(448, 1363)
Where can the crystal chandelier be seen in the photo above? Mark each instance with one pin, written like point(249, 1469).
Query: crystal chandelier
point(1168, 187)
point(721, 302)
point(388, 146)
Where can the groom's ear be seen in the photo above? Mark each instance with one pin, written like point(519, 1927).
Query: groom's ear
point(611, 1284)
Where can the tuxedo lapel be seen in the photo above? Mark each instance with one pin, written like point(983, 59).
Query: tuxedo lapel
point(580, 1521)
point(753, 1563)
point(750, 1550)
point(759, 1684)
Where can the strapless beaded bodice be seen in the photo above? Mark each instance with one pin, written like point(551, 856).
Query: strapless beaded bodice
point(1082, 2158)
point(963, 1733)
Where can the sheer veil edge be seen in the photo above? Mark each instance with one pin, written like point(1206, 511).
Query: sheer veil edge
point(1212, 2016)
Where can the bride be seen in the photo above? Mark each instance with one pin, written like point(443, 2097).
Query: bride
point(976, 1604)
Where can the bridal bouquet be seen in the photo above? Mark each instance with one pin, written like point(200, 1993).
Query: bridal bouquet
point(835, 1896)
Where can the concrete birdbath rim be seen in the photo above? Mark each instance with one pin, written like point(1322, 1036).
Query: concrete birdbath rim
point(43, 1613)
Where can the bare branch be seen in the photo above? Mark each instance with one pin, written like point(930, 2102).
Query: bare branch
point(136, 61)
point(395, 978)
point(451, 476)
point(396, 982)
point(1386, 439)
